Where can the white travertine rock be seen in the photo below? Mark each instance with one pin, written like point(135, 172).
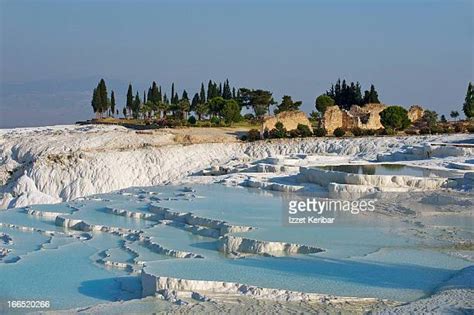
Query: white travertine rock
point(153, 284)
point(325, 177)
point(229, 244)
point(54, 164)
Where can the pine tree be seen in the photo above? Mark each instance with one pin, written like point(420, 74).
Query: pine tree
point(112, 102)
point(234, 96)
point(468, 106)
point(202, 94)
point(287, 104)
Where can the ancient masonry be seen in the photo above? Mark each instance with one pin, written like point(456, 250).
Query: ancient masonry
point(289, 119)
point(365, 117)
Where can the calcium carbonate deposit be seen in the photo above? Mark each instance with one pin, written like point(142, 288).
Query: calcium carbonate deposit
point(105, 219)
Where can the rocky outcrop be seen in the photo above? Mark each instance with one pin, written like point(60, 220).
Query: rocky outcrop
point(289, 119)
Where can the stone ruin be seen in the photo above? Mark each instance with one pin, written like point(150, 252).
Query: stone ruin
point(289, 119)
point(415, 113)
point(363, 117)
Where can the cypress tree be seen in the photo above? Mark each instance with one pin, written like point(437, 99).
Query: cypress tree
point(233, 93)
point(136, 105)
point(129, 104)
point(144, 97)
point(468, 106)
point(95, 100)
point(176, 98)
point(227, 93)
point(112, 102)
point(195, 102)
point(209, 90)
point(148, 94)
point(154, 94)
point(172, 93)
point(185, 95)
point(103, 95)
point(202, 94)
point(374, 98)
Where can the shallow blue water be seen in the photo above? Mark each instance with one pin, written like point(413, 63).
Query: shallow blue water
point(366, 255)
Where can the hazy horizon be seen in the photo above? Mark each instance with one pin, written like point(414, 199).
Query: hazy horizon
point(53, 53)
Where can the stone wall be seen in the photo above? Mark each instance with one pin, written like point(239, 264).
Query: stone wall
point(289, 119)
point(334, 118)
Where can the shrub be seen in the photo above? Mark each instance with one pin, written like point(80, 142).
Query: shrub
point(369, 132)
point(295, 133)
point(448, 129)
point(380, 132)
point(356, 131)
point(320, 132)
point(192, 120)
point(395, 117)
point(304, 130)
point(253, 135)
point(266, 133)
point(459, 128)
point(215, 120)
point(249, 117)
point(411, 132)
point(436, 129)
point(425, 131)
point(279, 131)
point(390, 132)
point(339, 132)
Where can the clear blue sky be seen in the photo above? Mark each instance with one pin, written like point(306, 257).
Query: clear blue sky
point(415, 52)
